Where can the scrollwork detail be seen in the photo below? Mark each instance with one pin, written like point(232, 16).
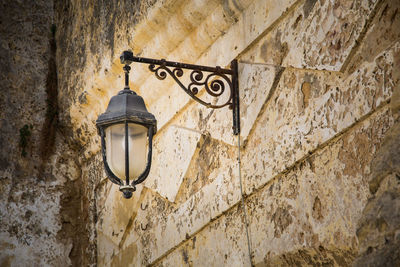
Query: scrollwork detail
point(214, 83)
point(160, 72)
point(178, 72)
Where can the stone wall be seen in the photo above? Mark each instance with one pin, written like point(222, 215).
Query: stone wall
point(316, 80)
point(319, 98)
point(37, 163)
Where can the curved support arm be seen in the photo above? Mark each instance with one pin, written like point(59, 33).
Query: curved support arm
point(214, 82)
point(215, 89)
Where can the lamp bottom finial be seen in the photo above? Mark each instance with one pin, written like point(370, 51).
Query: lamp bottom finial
point(127, 190)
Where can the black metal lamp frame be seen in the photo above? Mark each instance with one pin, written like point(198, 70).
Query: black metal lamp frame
point(128, 107)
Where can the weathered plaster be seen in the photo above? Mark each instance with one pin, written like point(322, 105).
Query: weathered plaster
point(303, 208)
point(334, 102)
point(169, 168)
point(316, 35)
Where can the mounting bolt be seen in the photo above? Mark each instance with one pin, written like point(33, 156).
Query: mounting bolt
point(126, 57)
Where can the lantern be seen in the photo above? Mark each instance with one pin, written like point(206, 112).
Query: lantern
point(126, 130)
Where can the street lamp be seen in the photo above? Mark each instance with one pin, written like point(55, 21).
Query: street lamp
point(127, 128)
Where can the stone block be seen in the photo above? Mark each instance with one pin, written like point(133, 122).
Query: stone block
point(175, 147)
point(170, 224)
point(395, 101)
point(316, 35)
point(225, 192)
point(309, 108)
point(310, 257)
point(222, 243)
point(382, 33)
point(320, 200)
point(211, 159)
point(127, 256)
point(256, 19)
point(106, 248)
point(314, 206)
point(388, 158)
point(255, 85)
point(115, 216)
point(172, 96)
point(378, 229)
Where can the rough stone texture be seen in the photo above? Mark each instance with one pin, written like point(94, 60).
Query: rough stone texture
point(319, 96)
point(379, 229)
point(36, 168)
point(387, 161)
point(311, 257)
point(332, 27)
point(114, 217)
point(307, 206)
point(302, 132)
point(48, 209)
point(322, 104)
point(287, 114)
point(213, 246)
point(299, 217)
point(381, 34)
point(163, 179)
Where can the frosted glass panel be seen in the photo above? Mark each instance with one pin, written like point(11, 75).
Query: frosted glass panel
point(137, 149)
point(115, 149)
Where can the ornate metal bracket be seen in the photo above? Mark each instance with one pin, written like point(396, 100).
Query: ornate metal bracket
point(214, 82)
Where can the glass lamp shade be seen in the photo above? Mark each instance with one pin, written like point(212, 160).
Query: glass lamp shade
point(126, 129)
point(116, 150)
